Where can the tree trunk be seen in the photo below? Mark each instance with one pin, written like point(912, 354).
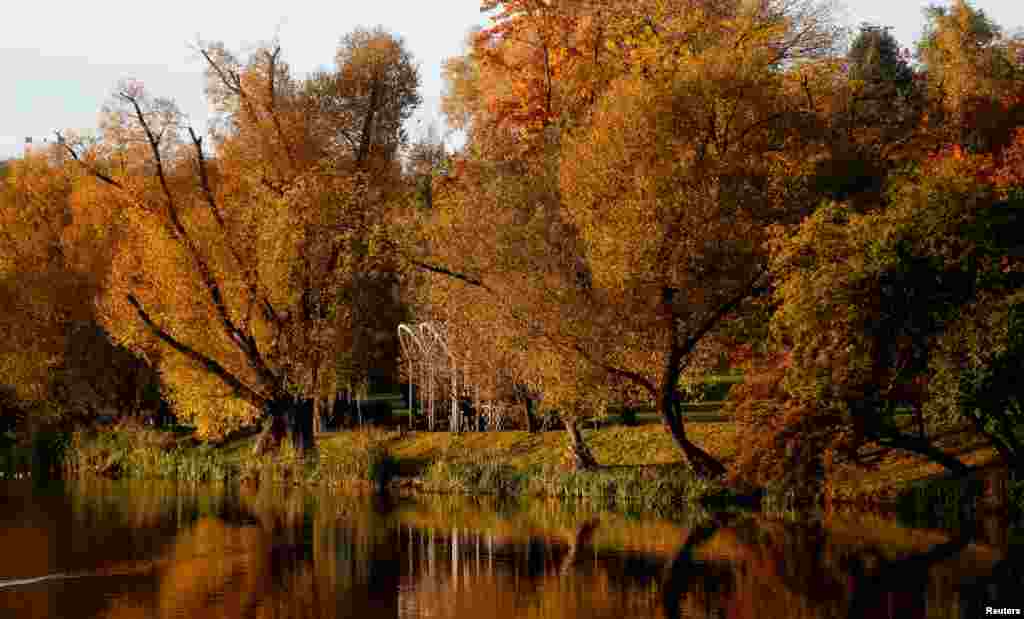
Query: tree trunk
point(300, 425)
point(318, 415)
point(270, 437)
point(331, 406)
point(582, 459)
point(291, 418)
point(531, 415)
point(701, 462)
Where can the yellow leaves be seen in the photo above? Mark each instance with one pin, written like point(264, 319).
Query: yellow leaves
point(201, 399)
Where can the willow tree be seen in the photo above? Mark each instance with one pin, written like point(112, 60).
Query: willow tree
point(233, 260)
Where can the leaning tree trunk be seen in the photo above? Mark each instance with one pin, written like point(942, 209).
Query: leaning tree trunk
point(582, 459)
point(701, 462)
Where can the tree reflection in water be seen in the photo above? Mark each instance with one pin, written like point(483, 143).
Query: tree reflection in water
point(766, 569)
point(284, 553)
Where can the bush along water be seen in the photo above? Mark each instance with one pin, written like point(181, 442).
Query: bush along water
point(140, 453)
point(364, 460)
point(628, 489)
point(137, 452)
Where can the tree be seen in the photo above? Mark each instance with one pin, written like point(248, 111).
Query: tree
point(497, 224)
point(363, 105)
point(676, 250)
point(234, 265)
point(973, 72)
point(914, 302)
point(874, 118)
point(622, 280)
point(55, 357)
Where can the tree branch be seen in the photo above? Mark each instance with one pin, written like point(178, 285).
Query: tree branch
point(241, 389)
point(748, 290)
point(469, 279)
point(91, 170)
point(578, 348)
point(635, 377)
point(272, 107)
point(921, 447)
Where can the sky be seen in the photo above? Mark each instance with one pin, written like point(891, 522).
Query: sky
point(62, 59)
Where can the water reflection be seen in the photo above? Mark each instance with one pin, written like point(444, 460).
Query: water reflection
point(126, 550)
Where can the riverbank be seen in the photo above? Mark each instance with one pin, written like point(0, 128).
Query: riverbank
point(640, 466)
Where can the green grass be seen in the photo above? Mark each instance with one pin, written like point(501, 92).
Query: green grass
point(640, 464)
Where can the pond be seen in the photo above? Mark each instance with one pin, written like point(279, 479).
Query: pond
point(93, 548)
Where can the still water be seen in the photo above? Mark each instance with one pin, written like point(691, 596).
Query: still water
point(131, 550)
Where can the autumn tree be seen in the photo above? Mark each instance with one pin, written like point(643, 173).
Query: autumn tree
point(640, 150)
point(917, 302)
point(496, 230)
point(233, 260)
point(874, 116)
point(676, 249)
point(496, 225)
point(55, 357)
point(974, 73)
point(882, 300)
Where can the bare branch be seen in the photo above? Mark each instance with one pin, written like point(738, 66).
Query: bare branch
point(91, 170)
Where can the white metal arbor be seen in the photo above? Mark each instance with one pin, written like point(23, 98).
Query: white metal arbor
point(433, 366)
point(426, 343)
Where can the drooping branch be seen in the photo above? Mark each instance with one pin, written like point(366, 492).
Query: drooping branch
point(237, 386)
point(922, 447)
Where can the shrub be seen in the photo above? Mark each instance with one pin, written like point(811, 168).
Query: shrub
point(365, 459)
point(470, 478)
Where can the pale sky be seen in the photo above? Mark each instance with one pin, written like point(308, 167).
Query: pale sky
point(61, 59)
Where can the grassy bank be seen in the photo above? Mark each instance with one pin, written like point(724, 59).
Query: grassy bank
point(640, 469)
